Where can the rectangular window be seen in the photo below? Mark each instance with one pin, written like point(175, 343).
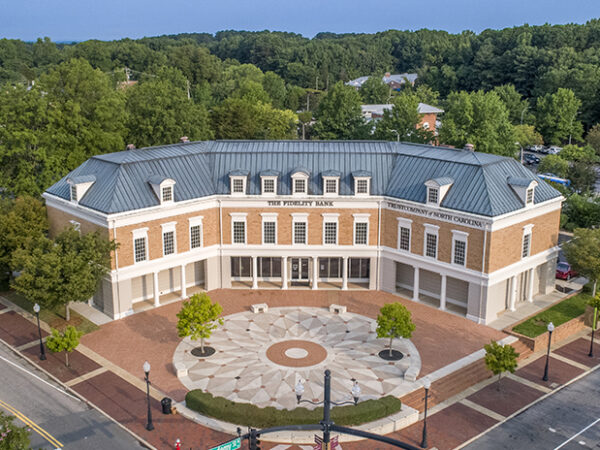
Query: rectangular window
point(431, 245)
point(74, 192)
point(269, 267)
point(330, 268)
point(404, 239)
point(362, 186)
point(139, 245)
point(168, 243)
point(331, 186)
point(238, 185)
point(526, 245)
point(269, 232)
point(196, 236)
point(460, 248)
point(432, 195)
point(268, 186)
point(241, 266)
point(299, 232)
point(360, 233)
point(330, 233)
point(167, 194)
point(529, 196)
point(299, 186)
point(239, 232)
point(359, 267)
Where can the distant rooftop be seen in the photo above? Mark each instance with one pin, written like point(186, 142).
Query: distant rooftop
point(399, 78)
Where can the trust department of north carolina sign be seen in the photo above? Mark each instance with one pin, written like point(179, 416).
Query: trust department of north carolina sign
point(439, 215)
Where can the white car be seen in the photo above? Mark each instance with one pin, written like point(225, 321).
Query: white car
point(536, 148)
point(554, 150)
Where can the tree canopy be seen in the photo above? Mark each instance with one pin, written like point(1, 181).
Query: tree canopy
point(583, 253)
point(339, 115)
point(198, 318)
point(394, 321)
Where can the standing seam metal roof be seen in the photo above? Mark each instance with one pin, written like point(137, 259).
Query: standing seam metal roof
point(397, 170)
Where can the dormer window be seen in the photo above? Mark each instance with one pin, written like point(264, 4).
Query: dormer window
point(524, 188)
point(331, 182)
point(268, 186)
point(331, 186)
point(437, 188)
point(362, 182)
point(268, 182)
point(79, 186)
point(300, 182)
point(238, 179)
point(163, 188)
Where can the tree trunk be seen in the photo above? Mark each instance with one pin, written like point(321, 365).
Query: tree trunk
point(202, 345)
point(391, 346)
point(67, 358)
point(67, 312)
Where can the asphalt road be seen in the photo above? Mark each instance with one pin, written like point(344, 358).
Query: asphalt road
point(569, 419)
point(57, 419)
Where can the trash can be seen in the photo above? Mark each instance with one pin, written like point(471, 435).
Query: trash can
point(166, 405)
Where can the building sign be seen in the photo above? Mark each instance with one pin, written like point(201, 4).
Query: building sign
point(439, 215)
point(301, 203)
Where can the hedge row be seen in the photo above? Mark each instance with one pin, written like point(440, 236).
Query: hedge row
point(251, 415)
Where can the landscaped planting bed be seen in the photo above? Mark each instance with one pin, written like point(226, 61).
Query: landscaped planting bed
point(250, 415)
point(558, 314)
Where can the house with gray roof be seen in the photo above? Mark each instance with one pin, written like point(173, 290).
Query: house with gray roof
point(467, 232)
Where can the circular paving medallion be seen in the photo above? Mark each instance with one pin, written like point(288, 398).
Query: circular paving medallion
point(259, 358)
point(296, 353)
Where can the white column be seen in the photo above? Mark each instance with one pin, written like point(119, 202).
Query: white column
point(284, 278)
point(156, 294)
point(513, 289)
point(345, 274)
point(530, 286)
point(416, 285)
point(254, 273)
point(183, 287)
point(443, 293)
point(315, 266)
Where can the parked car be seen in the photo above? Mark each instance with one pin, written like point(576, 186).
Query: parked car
point(564, 271)
point(528, 158)
point(535, 148)
point(554, 150)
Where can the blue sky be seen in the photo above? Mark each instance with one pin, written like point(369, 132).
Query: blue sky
point(114, 19)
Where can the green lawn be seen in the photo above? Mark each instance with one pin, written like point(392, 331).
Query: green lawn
point(250, 415)
point(53, 317)
point(558, 314)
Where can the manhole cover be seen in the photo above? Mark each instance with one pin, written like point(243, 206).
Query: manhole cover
point(207, 352)
point(395, 356)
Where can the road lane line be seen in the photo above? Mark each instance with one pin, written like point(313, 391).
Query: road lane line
point(36, 377)
point(27, 421)
point(575, 435)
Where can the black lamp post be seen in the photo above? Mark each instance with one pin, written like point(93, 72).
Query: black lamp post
point(149, 425)
point(594, 320)
point(327, 403)
point(550, 330)
point(427, 386)
point(36, 309)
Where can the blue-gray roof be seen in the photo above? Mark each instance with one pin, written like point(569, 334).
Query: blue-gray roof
point(523, 182)
point(400, 170)
point(443, 181)
point(82, 179)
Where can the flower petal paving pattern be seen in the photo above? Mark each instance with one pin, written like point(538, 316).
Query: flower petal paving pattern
point(251, 366)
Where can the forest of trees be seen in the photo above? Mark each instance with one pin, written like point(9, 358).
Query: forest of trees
point(62, 103)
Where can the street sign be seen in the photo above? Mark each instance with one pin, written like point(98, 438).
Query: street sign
point(231, 445)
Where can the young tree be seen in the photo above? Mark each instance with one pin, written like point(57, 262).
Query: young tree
point(500, 359)
point(198, 318)
point(22, 222)
point(583, 253)
point(394, 321)
point(12, 436)
point(526, 135)
point(339, 115)
point(557, 116)
point(478, 118)
point(403, 119)
point(554, 164)
point(68, 269)
point(67, 341)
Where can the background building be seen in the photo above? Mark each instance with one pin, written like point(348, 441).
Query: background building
point(470, 232)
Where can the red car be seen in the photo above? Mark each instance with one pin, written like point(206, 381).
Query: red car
point(564, 271)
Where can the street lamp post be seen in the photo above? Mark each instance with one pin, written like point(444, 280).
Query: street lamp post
point(550, 330)
point(36, 309)
point(146, 367)
point(523, 112)
point(521, 153)
point(594, 320)
point(427, 386)
point(397, 135)
point(327, 403)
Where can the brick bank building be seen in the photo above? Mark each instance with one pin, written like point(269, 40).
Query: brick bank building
point(468, 232)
